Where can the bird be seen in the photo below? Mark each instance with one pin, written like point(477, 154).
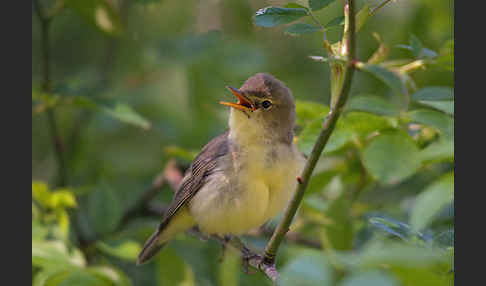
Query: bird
point(242, 178)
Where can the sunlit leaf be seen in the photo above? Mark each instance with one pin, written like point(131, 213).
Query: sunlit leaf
point(391, 157)
point(99, 13)
point(127, 250)
point(431, 201)
point(319, 4)
point(274, 16)
point(301, 28)
point(119, 111)
point(125, 113)
point(54, 253)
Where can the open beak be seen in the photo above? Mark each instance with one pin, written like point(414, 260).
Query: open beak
point(244, 103)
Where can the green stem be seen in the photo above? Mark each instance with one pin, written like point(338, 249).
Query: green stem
point(328, 127)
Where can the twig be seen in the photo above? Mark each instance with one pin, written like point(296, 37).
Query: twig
point(328, 127)
point(374, 10)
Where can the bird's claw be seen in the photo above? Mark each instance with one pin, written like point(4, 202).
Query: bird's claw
point(247, 256)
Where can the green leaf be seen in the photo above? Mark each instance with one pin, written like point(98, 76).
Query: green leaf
point(294, 5)
point(274, 16)
point(362, 16)
point(431, 201)
point(339, 232)
point(181, 153)
point(126, 114)
point(445, 59)
point(309, 111)
point(54, 253)
point(398, 254)
point(105, 210)
point(369, 278)
point(353, 125)
point(372, 104)
point(320, 180)
point(319, 4)
point(438, 151)
point(98, 13)
point(444, 106)
point(418, 50)
point(172, 270)
point(127, 250)
point(301, 28)
point(309, 268)
point(437, 120)
point(434, 93)
point(338, 21)
point(110, 276)
point(391, 157)
point(119, 111)
point(388, 77)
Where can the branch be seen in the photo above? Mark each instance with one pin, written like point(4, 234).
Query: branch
point(45, 20)
point(328, 127)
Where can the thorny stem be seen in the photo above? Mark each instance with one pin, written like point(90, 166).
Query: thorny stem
point(328, 127)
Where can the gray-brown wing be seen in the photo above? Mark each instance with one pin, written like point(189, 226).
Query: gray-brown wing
point(202, 166)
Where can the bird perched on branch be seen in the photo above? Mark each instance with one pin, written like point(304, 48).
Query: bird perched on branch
point(243, 177)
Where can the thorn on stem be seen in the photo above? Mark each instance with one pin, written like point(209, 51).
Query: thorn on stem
point(299, 180)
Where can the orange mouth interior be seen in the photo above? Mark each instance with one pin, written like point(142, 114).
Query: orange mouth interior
point(242, 104)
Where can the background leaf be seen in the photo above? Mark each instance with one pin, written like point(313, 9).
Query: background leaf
point(316, 5)
point(391, 157)
point(434, 93)
point(274, 16)
point(99, 14)
point(431, 201)
point(301, 28)
point(386, 76)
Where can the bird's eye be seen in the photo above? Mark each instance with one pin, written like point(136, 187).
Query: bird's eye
point(266, 104)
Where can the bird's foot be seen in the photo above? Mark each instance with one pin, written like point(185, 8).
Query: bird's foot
point(247, 256)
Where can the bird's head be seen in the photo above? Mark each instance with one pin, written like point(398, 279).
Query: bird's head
point(265, 109)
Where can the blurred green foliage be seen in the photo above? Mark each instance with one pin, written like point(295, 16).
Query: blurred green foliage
point(137, 83)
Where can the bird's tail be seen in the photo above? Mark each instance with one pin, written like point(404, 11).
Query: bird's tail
point(179, 222)
point(151, 247)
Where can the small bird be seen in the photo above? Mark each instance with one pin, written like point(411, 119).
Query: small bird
point(243, 177)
